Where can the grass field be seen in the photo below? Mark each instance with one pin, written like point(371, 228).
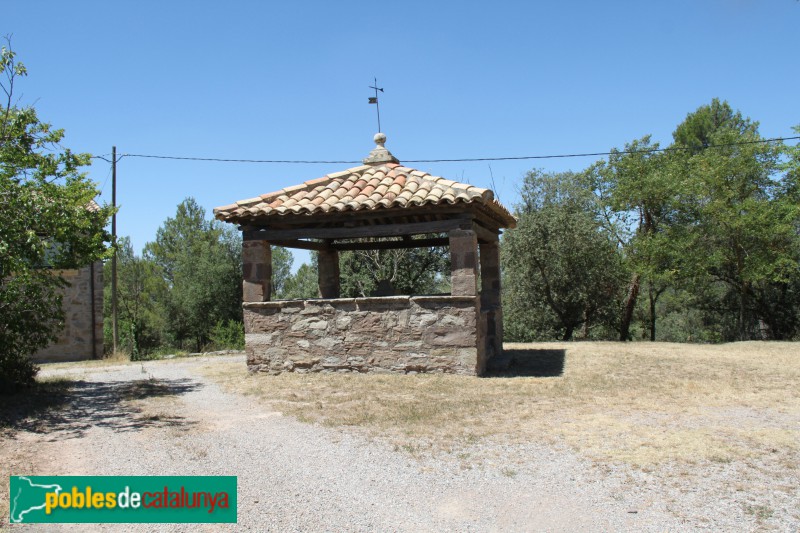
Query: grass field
point(636, 403)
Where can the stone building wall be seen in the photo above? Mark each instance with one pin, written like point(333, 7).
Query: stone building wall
point(75, 341)
point(384, 334)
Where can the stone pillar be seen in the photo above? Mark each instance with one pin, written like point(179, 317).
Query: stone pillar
point(490, 274)
point(463, 262)
point(490, 296)
point(257, 271)
point(329, 274)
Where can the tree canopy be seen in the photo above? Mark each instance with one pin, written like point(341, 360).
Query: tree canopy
point(561, 269)
point(48, 221)
point(185, 286)
point(709, 229)
point(407, 270)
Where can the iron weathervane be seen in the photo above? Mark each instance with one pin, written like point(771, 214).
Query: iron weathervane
point(374, 100)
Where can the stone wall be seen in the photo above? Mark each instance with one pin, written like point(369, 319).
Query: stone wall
point(75, 341)
point(404, 334)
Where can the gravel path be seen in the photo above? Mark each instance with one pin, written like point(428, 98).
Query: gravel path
point(299, 477)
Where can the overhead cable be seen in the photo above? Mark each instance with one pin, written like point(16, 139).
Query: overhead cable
point(467, 159)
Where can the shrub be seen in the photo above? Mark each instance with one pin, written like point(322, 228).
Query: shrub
point(228, 335)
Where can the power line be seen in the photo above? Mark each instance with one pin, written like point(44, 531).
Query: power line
point(595, 154)
point(469, 159)
point(180, 158)
point(106, 180)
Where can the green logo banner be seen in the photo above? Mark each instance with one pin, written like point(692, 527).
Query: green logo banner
point(122, 499)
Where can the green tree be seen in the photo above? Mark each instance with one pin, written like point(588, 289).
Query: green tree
point(47, 221)
point(407, 270)
point(140, 282)
point(637, 193)
point(178, 235)
point(282, 260)
point(784, 301)
point(201, 264)
point(561, 268)
point(303, 284)
point(742, 229)
point(791, 167)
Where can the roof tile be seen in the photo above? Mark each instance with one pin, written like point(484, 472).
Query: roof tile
point(318, 181)
point(342, 174)
point(249, 201)
point(294, 188)
point(382, 186)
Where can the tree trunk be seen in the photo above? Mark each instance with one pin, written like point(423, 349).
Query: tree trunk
point(568, 333)
point(653, 298)
point(628, 307)
point(134, 340)
point(763, 330)
point(743, 318)
point(585, 327)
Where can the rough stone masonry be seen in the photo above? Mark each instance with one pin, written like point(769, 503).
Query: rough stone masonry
point(404, 334)
point(82, 336)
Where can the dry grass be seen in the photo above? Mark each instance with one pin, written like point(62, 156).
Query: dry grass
point(116, 358)
point(639, 403)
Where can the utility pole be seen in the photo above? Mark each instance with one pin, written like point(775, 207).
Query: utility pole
point(114, 244)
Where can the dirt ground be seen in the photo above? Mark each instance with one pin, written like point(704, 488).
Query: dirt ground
point(594, 436)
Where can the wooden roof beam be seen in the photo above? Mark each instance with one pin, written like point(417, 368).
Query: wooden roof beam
point(391, 245)
point(387, 230)
point(301, 244)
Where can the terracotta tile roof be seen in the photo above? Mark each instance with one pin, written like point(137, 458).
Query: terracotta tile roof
point(368, 187)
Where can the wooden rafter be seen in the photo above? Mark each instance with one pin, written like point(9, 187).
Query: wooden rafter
point(391, 245)
point(386, 230)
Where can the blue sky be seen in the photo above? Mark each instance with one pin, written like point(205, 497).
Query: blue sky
point(289, 80)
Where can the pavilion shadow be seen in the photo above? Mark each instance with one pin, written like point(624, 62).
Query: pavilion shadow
point(67, 409)
point(531, 363)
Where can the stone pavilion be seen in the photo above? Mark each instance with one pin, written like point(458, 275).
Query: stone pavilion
point(379, 205)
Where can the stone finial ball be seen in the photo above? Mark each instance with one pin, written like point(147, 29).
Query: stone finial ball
point(379, 138)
